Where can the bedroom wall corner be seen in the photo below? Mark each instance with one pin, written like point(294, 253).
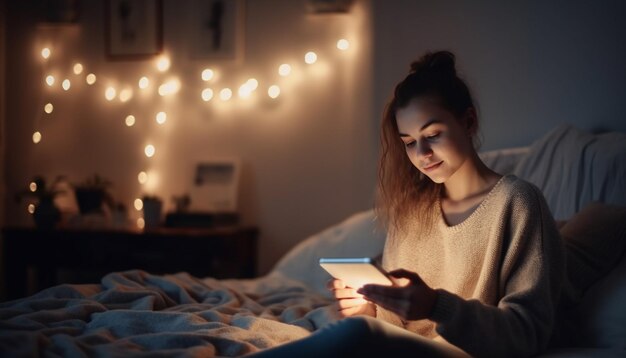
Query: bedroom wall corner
point(3, 190)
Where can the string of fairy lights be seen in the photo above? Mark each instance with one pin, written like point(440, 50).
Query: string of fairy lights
point(209, 92)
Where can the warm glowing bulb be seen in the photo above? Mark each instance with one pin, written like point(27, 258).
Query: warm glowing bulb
point(110, 93)
point(149, 150)
point(45, 52)
point(142, 177)
point(130, 120)
point(138, 204)
point(343, 44)
point(50, 80)
point(245, 91)
point(163, 64)
point(36, 137)
point(144, 82)
point(90, 79)
point(273, 91)
point(141, 223)
point(31, 208)
point(207, 74)
point(225, 94)
point(284, 70)
point(126, 94)
point(252, 83)
point(207, 94)
point(162, 89)
point(33, 186)
point(48, 108)
point(66, 84)
point(310, 57)
point(161, 117)
point(169, 87)
point(78, 69)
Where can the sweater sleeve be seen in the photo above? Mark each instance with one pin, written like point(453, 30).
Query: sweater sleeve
point(530, 279)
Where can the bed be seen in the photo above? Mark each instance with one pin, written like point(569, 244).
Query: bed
point(135, 313)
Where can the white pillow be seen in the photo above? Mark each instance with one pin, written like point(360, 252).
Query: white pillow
point(504, 160)
point(356, 236)
point(573, 167)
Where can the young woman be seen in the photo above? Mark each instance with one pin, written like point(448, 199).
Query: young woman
point(477, 255)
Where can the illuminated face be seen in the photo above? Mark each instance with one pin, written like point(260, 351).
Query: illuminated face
point(435, 140)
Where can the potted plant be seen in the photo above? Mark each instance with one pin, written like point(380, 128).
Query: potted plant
point(92, 193)
point(46, 215)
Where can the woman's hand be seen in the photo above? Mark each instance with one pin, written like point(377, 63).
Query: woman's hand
point(411, 301)
point(349, 302)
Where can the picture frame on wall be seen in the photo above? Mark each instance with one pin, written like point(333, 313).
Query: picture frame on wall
point(217, 30)
point(133, 28)
point(216, 185)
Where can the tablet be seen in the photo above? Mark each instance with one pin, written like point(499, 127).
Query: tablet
point(356, 272)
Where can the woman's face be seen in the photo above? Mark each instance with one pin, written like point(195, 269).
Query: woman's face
point(436, 142)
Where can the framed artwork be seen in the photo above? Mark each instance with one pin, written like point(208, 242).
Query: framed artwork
point(133, 28)
point(215, 186)
point(217, 29)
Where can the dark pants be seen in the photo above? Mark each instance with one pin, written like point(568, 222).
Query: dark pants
point(362, 337)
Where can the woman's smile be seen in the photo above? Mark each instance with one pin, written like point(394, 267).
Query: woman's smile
point(432, 167)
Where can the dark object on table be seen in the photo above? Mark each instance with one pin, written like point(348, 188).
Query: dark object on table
point(92, 193)
point(201, 219)
point(46, 214)
point(89, 200)
point(152, 207)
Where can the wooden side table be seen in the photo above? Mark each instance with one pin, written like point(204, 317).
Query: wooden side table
point(225, 252)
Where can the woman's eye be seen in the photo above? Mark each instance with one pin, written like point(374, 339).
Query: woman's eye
point(409, 144)
point(434, 136)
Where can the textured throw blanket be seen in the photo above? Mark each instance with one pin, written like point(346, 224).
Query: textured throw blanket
point(134, 313)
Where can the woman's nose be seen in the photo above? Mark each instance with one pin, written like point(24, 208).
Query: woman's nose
point(424, 149)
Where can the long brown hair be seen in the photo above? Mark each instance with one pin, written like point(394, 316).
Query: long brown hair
point(403, 191)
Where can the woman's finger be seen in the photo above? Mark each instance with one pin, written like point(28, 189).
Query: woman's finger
point(346, 293)
point(395, 305)
point(390, 291)
point(350, 302)
point(334, 284)
point(402, 273)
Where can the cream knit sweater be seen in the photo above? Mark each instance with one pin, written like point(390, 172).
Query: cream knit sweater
point(498, 274)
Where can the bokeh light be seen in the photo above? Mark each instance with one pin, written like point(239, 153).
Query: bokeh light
point(343, 44)
point(284, 69)
point(310, 57)
point(207, 94)
point(90, 79)
point(273, 91)
point(207, 74)
point(78, 68)
point(149, 150)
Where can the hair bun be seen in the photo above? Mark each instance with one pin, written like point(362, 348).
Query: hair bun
point(441, 63)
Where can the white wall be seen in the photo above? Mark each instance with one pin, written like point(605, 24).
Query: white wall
point(307, 157)
point(531, 64)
